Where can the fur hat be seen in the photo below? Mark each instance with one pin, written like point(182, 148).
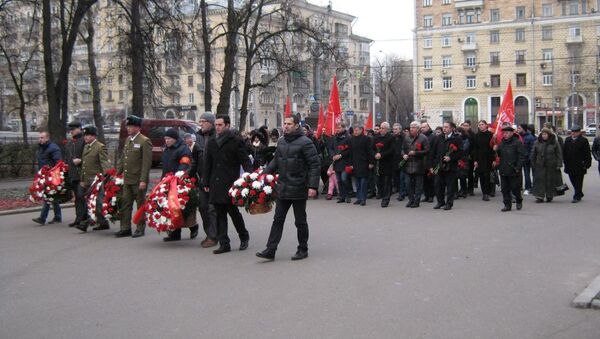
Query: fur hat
point(172, 133)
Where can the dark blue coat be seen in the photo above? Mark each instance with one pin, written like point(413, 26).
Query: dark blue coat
point(48, 154)
point(171, 159)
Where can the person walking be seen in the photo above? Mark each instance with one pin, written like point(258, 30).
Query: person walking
point(383, 150)
point(73, 154)
point(225, 153)
point(546, 161)
point(206, 209)
point(361, 156)
point(297, 162)
point(135, 164)
point(446, 158)
point(414, 152)
point(577, 158)
point(94, 161)
point(511, 152)
point(48, 154)
point(483, 157)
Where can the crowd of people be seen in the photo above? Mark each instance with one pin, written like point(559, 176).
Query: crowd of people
point(418, 163)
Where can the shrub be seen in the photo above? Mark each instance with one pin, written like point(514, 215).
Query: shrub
point(17, 160)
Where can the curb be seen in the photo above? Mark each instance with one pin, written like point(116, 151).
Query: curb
point(585, 298)
point(31, 210)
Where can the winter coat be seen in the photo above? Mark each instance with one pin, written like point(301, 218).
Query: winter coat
point(528, 140)
point(325, 150)
point(74, 150)
point(398, 146)
point(432, 141)
point(340, 144)
point(201, 142)
point(297, 162)
point(223, 157)
point(415, 164)
point(577, 156)
point(512, 155)
point(386, 163)
point(546, 161)
point(196, 153)
point(176, 158)
point(483, 153)
point(443, 148)
point(48, 154)
point(361, 154)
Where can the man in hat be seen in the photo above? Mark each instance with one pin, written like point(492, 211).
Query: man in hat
point(73, 154)
point(206, 209)
point(511, 152)
point(577, 158)
point(94, 161)
point(135, 165)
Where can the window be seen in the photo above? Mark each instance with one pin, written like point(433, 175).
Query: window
point(471, 81)
point(447, 82)
point(110, 95)
point(546, 33)
point(521, 79)
point(471, 37)
point(547, 55)
point(427, 42)
point(547, 79)
point(494, 107)
point(520, 13)
point(573, 7)
point(446, 40)
point(520, 34)
point(575, 31)
point(494, 15)
point(190, 81)
point(120, 79)
point(191, 98)
point(494, 37)
point(427, 63)
point(520, 57)
point(121, 96)
point(470, 60)
point(575, 77)
point(446, 19)
point(447, 116)
point(446, 61)
point(446, 2)
point(426, 3)
point(494, 58)
point(547, 10)
point(471, 109)
point(495, 80)
point(109, 80)
point(427, 21)
point(428, 83)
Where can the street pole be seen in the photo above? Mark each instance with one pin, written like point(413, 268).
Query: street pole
point(553, 101)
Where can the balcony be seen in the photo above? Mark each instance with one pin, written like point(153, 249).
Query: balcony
point(469, 47)
point(574, 39)
point(173, 88)
point(462, 4)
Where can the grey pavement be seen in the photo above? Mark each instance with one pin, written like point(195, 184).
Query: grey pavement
point(472, 272)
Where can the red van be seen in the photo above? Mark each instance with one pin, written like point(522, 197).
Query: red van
point(155, 130)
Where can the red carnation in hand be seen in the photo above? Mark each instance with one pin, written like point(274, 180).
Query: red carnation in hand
point(348, 169)
point(379, 145)
point(418, 146)
point(453, 147)
point(461, 164)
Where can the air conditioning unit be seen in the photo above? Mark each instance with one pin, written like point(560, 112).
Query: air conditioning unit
point(444, 71)
point(486, 84)
point(474, 69)
point(460, 40)
point(543, 65)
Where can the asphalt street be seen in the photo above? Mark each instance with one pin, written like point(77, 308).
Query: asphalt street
point(472, 272)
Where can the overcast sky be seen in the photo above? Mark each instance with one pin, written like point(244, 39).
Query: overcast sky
point(388, 22)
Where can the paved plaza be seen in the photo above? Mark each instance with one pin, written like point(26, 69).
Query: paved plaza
point(472, 272)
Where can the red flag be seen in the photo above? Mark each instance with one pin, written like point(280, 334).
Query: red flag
point(506, 113)
point(369, 124)
point(321, 122)
point(334, 109)
point(288, 108)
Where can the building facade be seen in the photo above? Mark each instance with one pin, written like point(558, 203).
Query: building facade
point(466, 52)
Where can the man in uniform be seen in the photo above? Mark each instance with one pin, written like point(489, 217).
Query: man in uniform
point(73, 153)
point(93, 161)
point(135, 166)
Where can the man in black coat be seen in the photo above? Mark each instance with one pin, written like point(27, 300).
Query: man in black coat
point(325, 151)
point(73, 155)
point(428, 180)
point(447, 154)
point(206, 209)
point(577, 158)
point(361, 155)
point(341, 159)
point(414, 150)
point(383, 150)
point(483, 157)
point(225, 153)
point(512, 155)
point(297, 162)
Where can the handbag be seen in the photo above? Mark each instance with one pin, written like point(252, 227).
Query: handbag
point(560, 190)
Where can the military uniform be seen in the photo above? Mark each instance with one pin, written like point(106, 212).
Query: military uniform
point(135, 166)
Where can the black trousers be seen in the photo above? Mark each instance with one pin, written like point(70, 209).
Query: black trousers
point(208, 215)
point(484, 182)
point(415, 187)
point(236, 218)
point(384, 187)
point(470, 177)
point(80, 201)
point(446, 185)
point(324, 179)
point(281, 209)
point(511, 186)
point(577, 182)
point(429, 186)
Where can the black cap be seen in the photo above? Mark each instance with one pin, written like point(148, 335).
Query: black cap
point(74, 125)
point(575, 128)
point(172, 133)
point(90, 130)
point(134, 120)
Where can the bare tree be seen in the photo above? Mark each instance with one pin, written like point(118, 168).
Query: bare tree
point(94, 79)
point(207, 49)
point(394, 78)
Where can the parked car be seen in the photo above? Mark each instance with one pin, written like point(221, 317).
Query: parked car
point(591, 130)
point(155, 130)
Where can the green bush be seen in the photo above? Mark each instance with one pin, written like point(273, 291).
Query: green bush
point(17, 160)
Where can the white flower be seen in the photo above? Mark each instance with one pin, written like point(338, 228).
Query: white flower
point(256, 185)
point(270, 178)
point(179, 174)
point(245, 192)
point(113, 200)
point(59, 187)
point(52, 192)
point(267, 190)
point(163, 219)
point(234, 193)
point(254, 176)
point(238, 182)
point(42, 181)
point(119, 181)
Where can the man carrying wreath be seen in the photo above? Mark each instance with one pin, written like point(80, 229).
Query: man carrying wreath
point(297, 162)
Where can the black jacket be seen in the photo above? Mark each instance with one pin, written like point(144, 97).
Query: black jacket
point(361, 155)
point(596, 148)
point(432, 140)
point(512, 157)
point(201, 141)
point(577, 156)
point(74, 150)
point(325, 150)
point(340, 144)
point(297, 162)
point(223, 157)
point(483, 152)
point(443, 148)
point(387, 161)
point(196, 154)
point(173, 159)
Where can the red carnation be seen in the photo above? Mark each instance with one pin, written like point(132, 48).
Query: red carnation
point(379, 145)
point(112, 172)
point(261, 201)
point(262, 195)
point(244, 184)
point(252, 193)
point(348, 169)
point(453, 147)
point(418, 146)
point(461, 164)
point(241, 202)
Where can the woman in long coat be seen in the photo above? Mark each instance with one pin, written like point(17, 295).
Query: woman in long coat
point(546, 159)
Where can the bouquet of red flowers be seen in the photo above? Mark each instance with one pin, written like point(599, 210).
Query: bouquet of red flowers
point(451, 149)
point(254, 191)
point(169, 203)
point(50, 184)
point(104, 197)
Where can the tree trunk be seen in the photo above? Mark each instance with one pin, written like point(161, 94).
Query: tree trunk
point(23, 118)
point(246, 91)
point(95, 82)
point(137, 60)
point(231, 50)
point(207, 58)
point(53, 99)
